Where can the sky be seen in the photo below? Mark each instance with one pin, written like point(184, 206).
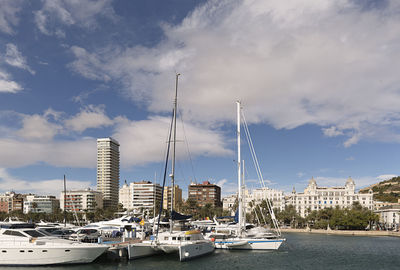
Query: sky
point(318, 82)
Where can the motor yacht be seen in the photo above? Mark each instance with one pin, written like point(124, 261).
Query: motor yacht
point(22, 244)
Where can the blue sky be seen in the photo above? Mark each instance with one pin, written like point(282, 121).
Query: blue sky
point(318, 82)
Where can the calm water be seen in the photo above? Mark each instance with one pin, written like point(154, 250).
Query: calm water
point(301, 251)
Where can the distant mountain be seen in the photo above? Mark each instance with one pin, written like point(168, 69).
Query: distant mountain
point(385, 191)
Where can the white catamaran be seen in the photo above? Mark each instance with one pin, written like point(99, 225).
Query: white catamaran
point(188, 244)
point(240, 237)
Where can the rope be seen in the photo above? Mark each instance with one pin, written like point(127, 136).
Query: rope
point(187, 146)
point(165, 176)
point(259, 173)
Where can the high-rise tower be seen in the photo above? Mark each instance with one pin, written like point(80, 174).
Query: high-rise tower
point(108, 171)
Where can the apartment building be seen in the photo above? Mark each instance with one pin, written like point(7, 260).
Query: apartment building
point(108, 171)
point(81, 200)
point(40, 204)
point(205, 193)
point(140, 196)
point(167, 197)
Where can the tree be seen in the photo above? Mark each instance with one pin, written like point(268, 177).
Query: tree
point(290, 217)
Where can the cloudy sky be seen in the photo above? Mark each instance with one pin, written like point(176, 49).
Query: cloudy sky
point(318, 81)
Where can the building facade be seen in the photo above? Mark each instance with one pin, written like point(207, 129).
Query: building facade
point(317, 198)
point(108, 171)
point(389, 217)
point(40, 204)
point(228, 203)
point(167, 197)
point(11, 201)
point(256, 196)
point(140, 196)
point(81, 200)
point(205, 193)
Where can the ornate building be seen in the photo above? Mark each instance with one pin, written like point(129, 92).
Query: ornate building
point(316, 198)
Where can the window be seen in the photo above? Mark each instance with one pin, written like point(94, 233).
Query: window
point(14, 233)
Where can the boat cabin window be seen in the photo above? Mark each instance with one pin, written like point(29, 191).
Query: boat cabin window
point(173, 238)
point(14, 233)
point(34, 233)
point(179, 238)
point(187, 238)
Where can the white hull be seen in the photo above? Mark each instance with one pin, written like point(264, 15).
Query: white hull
point(45, 255)
point(190, 251)
point(186, 251)
point(140, 250)
point(249, 243)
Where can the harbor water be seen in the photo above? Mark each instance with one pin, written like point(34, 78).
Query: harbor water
point(301, 251)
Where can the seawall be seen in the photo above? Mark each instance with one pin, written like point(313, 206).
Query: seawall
point(342, 232)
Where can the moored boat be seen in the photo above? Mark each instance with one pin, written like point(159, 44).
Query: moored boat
point(24, 245)
point(188, 244)
point(238, 236)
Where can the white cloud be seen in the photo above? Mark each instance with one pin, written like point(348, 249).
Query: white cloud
point(88, 117)
point(37, 127)
point(332, 131)
point(145, 141)
point(385, 177)
point(56, 14)
point(85, 62)
point(290, 62)
point(77, 154)
point(361, 182)
point(43, 187)
point(221, 182)
point(14, 58)
point(7, 85)
point(300, 174)
point(351, 158)
point(37, 138)
point(8, 15)
point(227, 187)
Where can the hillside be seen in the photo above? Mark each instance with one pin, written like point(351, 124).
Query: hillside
point(385, 191)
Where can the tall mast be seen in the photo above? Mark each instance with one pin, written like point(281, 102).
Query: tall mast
point(238, 107)
point(174, 147)
point(65, 202)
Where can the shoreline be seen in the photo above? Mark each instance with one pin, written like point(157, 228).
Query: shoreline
point(340, 232)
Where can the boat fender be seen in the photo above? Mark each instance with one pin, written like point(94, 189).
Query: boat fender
point(213, 239)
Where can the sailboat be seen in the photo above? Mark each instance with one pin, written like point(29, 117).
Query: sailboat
point(188, 244)
point(238, 237)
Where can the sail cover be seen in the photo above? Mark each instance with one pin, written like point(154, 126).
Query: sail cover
point(178, 216)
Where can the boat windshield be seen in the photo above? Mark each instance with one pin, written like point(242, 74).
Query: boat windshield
point(34, 233)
